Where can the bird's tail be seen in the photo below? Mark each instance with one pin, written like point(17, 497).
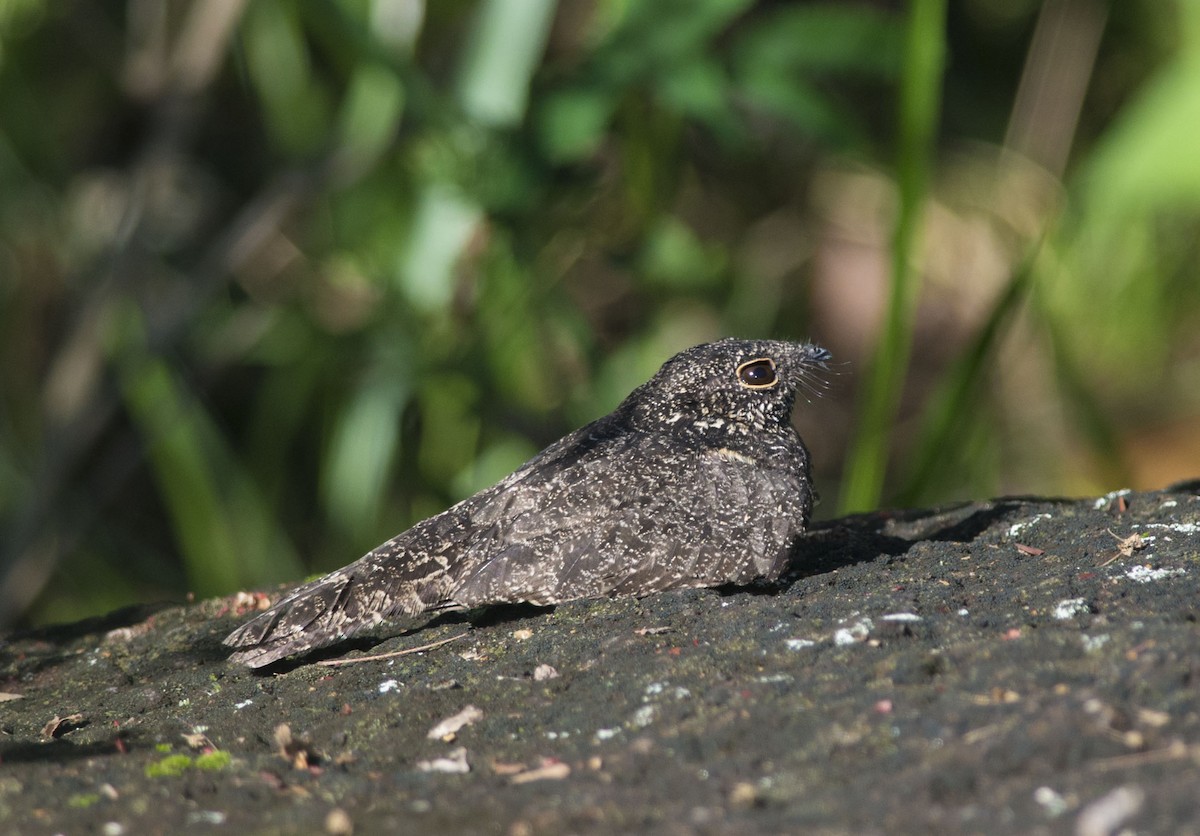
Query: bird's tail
point(330, 609)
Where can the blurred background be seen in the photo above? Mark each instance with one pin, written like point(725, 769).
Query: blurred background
point(278, 279)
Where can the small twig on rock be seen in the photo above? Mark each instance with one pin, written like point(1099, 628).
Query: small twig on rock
point(1126, 546)
point(333, 663)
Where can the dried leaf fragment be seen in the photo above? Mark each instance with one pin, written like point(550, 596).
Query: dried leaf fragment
point(126, 634)
point(59, 726)
point(551, 771)
point(651, 631)
point(504, 768)
point(338, 823)
point(198, 740)
point(448, 728)
point(296, 750)
point(454, 764)
point(1126, 546)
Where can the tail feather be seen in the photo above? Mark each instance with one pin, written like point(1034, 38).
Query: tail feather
point(335, 607)
point(310, 617)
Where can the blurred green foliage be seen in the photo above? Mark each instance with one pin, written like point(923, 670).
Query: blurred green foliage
point(280, 278)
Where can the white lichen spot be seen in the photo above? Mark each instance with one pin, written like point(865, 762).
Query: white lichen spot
point(798, 644)
point(1052, 802)
point(656, 688)
point(853, 634)
point(900, 616)
point(238, 706)
point(1070, 608)
point(388, 685)
point(644, 716)
point(775, 678)
point(1093, 643)
point(964, 612)
point(1018, 527)
point(1104, 501)
point(213, 817)
point(1144, 574)
point(606, 734)
point(1174, 528)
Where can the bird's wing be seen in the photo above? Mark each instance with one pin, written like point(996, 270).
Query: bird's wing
point(379, 585)
point(639, 524)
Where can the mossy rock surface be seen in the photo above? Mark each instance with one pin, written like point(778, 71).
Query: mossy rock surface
point(1011, 666)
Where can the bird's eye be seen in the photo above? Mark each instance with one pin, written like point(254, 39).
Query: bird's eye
point(758, 374)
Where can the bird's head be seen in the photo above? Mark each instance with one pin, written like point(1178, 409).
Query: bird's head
point(728, 387)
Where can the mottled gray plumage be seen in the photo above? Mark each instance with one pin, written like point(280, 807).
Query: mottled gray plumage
point(696, 479)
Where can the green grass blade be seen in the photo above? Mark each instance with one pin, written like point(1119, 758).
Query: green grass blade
point(226, 537)
point(920, 93)
point(946, 416)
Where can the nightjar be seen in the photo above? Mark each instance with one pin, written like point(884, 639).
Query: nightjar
point(696, 479)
